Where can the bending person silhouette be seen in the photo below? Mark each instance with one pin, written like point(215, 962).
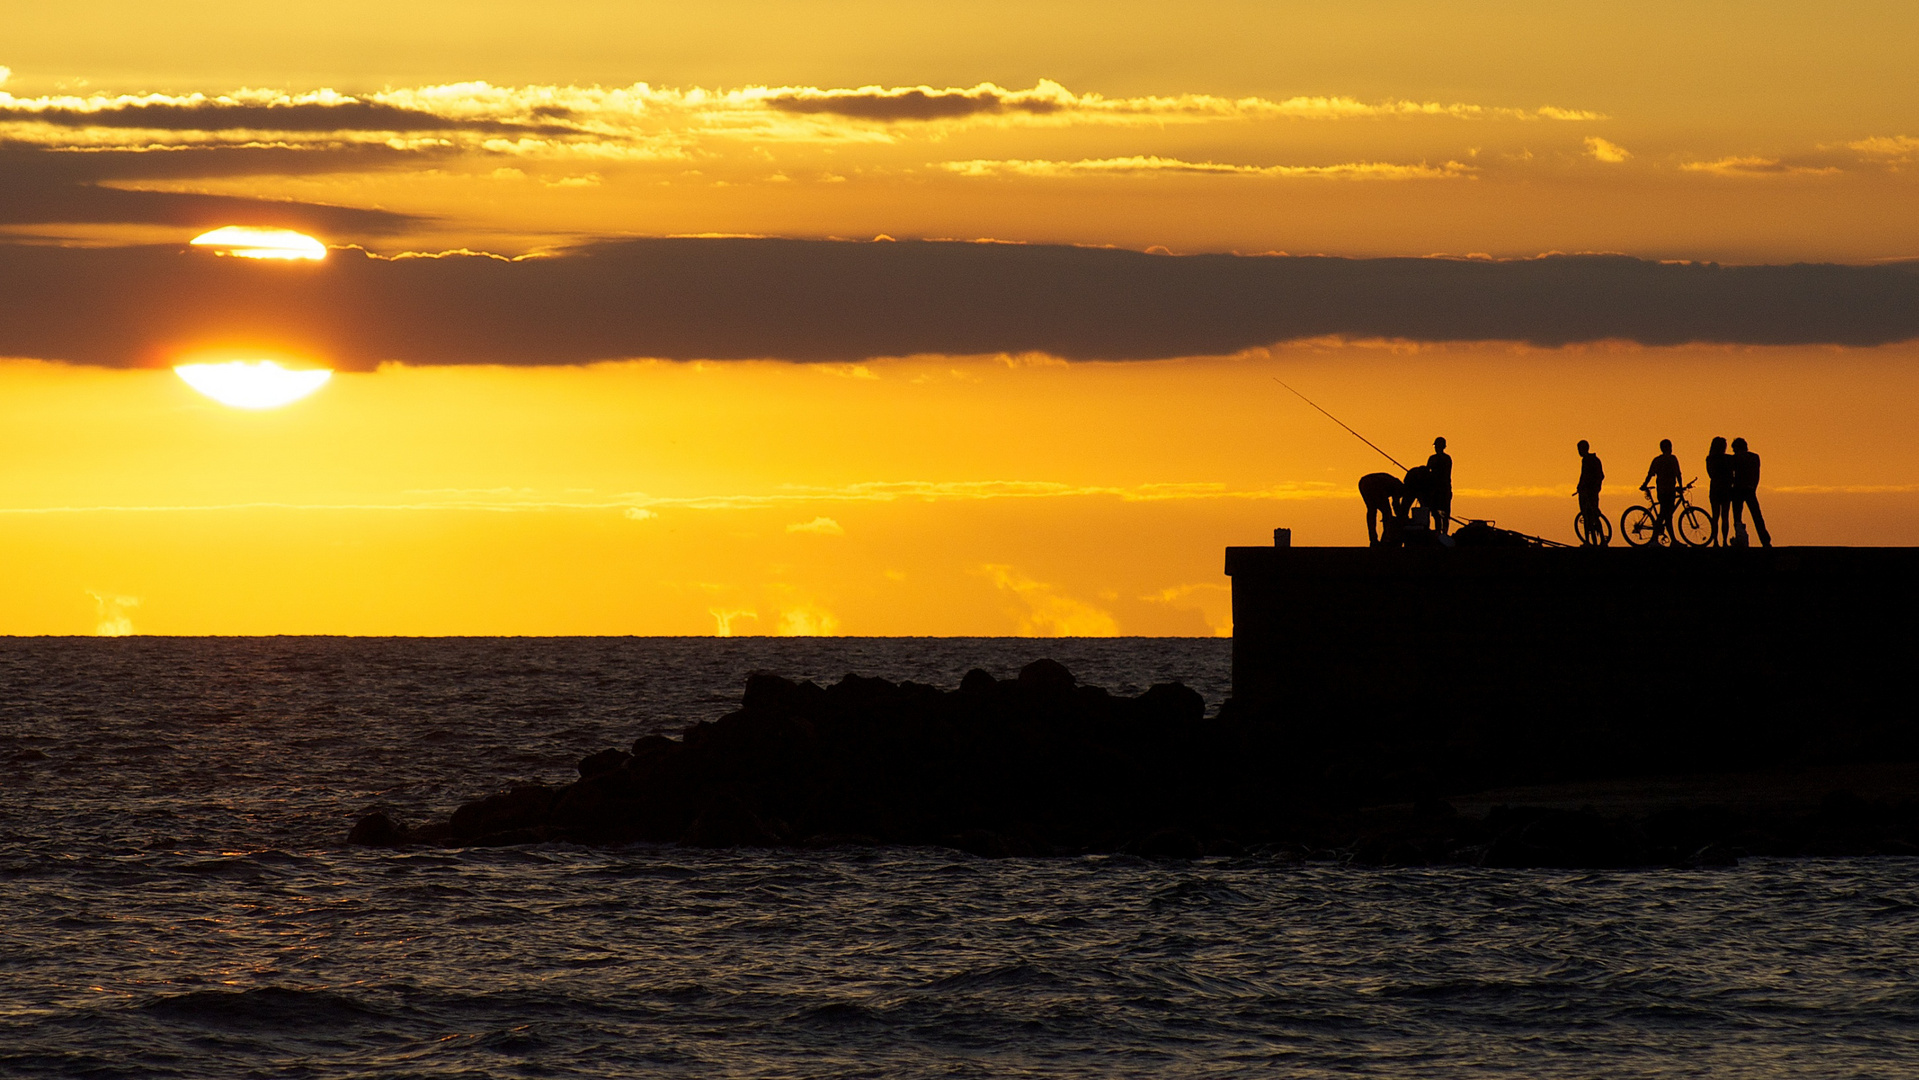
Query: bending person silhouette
point(1745, 490)
point(1665, 470)
point(1592, 474)
point(1385, 497)
point(1719, 490)
point(1438, 496)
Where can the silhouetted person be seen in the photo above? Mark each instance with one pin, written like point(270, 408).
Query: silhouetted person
point(1745, 489)
point(1439, 486)
point(1418, 490)
point(1665, 470)
point(1385, 498)
point(1719, 490)
point(1592, 475)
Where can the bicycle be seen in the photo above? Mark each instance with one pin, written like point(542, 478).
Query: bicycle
point(1689, 524)
point(1599, 536)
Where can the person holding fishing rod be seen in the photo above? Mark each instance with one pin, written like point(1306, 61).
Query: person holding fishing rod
point(1388, 497)
point(1438, 496)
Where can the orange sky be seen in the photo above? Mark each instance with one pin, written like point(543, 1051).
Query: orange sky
point(925, 495)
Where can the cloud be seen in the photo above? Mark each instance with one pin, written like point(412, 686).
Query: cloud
point(1548, 112)
point(41, 186)
point(840, 302)
point(1609, 152)
point(923, 102)
point(68, 158)
point(724, 618)
point(1895, 147)
point(645, 121)
point(808, 620)
point(111, 610)
point(889, 491)
point(203, 114)
point(1213, 603)
point(819, 526)
point(1049, 99)
point(1357, 170)
point(1756, 166)
point(1049, 613)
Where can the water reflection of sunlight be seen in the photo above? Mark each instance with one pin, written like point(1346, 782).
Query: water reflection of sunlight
point(262, 384)
point(251, 242)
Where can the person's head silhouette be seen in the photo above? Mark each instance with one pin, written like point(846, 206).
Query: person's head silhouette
point(1439, 444)
point(1665, 446)
point(1718, 445)
point(1585, 448)
point(1739, 445)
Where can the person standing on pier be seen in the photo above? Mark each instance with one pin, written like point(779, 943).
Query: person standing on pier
point(1664, 469)
point(1745, 490)
point(1719, 490)
point(1592, 474)
point(1439, 486)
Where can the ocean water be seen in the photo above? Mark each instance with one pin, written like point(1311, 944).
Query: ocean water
point(176, 900)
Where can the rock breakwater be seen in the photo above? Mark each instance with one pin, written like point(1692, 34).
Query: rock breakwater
point(1042, 765)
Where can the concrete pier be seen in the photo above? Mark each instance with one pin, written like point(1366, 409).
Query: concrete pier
point(1692, 638)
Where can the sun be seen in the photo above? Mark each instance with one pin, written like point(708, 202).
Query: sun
point(250, 242)
point(262, 384)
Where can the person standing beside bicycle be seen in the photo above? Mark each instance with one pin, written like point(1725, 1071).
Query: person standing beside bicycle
point(1592, 474)
point(1745, 490)
point(1719, 491)
point(1665, 470)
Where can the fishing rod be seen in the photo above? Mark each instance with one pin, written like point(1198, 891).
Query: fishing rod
point(1341, 423)
point(1537, 541)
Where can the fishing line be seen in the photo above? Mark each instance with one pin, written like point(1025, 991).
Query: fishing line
point(1341, 423)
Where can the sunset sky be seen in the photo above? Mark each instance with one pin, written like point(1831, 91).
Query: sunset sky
point(826, 407)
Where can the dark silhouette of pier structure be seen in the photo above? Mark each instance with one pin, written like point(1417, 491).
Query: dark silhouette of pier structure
point(1673, 658)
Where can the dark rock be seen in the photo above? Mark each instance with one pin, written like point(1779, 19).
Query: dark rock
point(605, 761)
point(376, 830)
point(835, 840)
point(651, 750)
point(1047, 676)
point(523, 807)
point(728, 822)
point(977, 682)
point(1168, 844)
point(1173, 703)
point(982, 842)
point(1563, 839)
point(1712, 855)
point(767, 691)
point(1041, 765)
point(26, 756)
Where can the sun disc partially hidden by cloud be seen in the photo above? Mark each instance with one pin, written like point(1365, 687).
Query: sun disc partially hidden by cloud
point(262, 384)
point(251, 242)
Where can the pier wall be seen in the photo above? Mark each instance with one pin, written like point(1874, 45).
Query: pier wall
point(1685, 640)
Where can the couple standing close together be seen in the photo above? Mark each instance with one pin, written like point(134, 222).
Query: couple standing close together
point(1734, 489)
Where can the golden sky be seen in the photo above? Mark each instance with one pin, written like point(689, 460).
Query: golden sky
point(950, 491)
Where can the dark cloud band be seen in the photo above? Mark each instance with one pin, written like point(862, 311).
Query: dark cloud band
point(822, 301)
point(345, 116)
point(40, 187)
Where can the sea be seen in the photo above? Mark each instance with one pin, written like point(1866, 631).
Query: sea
point(177, 899)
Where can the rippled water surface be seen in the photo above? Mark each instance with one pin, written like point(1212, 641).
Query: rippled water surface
point(175, 900)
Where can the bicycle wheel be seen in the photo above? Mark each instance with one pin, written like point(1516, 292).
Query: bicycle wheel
point(1695, 527)
point(1602, 530)
point(1640, 526)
